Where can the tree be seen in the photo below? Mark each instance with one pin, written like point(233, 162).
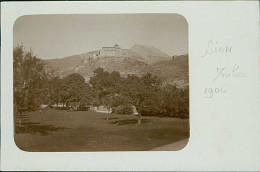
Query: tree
point(146, 93)
point(75, 89)
point(30, 79)
point(175, 101)
point(139, 90)
point(105, 85)
point(56, 88)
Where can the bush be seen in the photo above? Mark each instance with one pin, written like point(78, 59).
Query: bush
point(83, 108)
point(123, 109)
point(62, 108)
point(168, 102)
point(150, 110)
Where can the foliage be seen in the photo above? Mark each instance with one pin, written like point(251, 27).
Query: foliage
point(55, 85)
point(170, 101)
point(30, 79)
point(146, 93)
point(105, 86)
point(62, 108)
point(123, 109)
point(34, 84)
point(74, 89)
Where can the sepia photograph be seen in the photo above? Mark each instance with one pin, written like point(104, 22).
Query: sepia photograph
point(101, 82)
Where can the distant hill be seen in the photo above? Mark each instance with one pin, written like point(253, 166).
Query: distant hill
point(65, 63)
point(149, 54)
point(174, 71)
point(143, 59)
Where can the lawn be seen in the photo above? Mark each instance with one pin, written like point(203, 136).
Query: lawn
point(63, 131)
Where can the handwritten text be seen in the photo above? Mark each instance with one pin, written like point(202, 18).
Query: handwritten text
point(234, 72)
point(214, 48)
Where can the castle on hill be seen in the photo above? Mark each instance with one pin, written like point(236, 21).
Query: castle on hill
point(115, 51)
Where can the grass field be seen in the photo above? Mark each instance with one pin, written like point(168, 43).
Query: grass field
point(62, 131)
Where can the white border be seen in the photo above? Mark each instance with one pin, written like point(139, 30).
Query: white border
point(225, 131)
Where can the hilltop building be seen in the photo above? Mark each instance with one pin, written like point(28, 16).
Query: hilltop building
point(115, 51)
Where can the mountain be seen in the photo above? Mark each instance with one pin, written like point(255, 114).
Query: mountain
point(68, 62)
point(148, 54)
point(142, 59)
point(174, 71)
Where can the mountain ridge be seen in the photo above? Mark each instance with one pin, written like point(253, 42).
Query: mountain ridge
point(142, 60)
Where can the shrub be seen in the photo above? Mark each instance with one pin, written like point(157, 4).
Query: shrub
point(62, 108)
point(83, 108)
point(168, 102)
point(123, 109)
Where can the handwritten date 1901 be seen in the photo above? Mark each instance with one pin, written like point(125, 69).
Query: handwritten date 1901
point(211, 91)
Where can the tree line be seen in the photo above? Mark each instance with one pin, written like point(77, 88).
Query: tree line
point(36, 84)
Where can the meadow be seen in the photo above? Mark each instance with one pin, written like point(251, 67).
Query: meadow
point(80, 131)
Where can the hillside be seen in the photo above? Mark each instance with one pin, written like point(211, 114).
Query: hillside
point(174, 71)
point(142, 60)
point(149, 54)
point(64, 63)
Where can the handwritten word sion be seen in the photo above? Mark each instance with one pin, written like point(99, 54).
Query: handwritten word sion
point(214, 48)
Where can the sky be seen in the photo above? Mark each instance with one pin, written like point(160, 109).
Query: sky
point(58, 36)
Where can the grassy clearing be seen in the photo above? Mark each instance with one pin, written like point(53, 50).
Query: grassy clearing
point(65, 131)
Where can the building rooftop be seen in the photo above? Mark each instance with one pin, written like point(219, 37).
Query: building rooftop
point(112, 47)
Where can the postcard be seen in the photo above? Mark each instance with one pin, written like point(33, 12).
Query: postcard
point(130, 86)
